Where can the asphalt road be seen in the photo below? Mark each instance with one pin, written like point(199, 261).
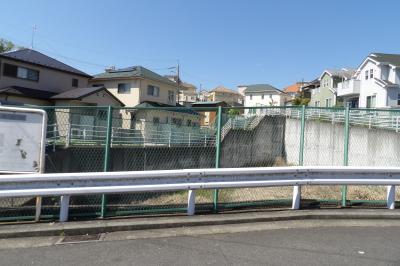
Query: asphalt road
point(299, 246)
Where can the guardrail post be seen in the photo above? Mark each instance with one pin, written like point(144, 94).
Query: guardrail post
point(391, 197)
point(191, 203)
point(64, 208)
point(346, 150)
point(217, 153)
point(106, 158)
point(297, 189)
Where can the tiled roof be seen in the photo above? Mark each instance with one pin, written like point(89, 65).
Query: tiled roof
point(27, 92)
point(224, 89)
point(260, 88)
point(294, 87)
point(134, 72)
point(393, 59)
point(37, 58)
point(179, 108)
point(341, 73)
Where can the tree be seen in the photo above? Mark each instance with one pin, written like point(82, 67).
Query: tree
point(6, 45)
point(233, 112)
point(300, 101)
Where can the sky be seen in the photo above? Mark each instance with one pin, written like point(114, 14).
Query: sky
point(222, 42)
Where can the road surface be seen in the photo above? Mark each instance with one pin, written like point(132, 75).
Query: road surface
point(365, 245)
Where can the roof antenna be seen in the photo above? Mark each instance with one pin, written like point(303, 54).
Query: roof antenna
point(33, 35)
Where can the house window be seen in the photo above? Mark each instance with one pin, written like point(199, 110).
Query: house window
point(124, 88)
point(371, 101)
point(189, 123)
point(98, 85)
point(398, 99)
point(262, 96)
point(371, 73)
point(75, 83)
point(156, 120)
point(317, 104)
point(171, 96)
point(366, 74)
point(251, 96)
point(153, 90)
point(20, 72)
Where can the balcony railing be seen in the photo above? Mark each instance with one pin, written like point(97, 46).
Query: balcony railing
point(348, 87)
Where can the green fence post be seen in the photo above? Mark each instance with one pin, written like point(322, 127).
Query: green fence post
point(346, 150)
point(302, 125)
point(106, 157)
point(217, 152)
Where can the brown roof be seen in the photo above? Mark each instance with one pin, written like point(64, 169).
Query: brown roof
point(223, 89)
point(294, 87)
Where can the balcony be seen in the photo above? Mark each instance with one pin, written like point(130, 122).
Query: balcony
point(348, 87)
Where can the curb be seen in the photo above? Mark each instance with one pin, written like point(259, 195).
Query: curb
point(146, 223)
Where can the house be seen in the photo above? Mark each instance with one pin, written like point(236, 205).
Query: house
point(137, 84)
point(307, 88)
point(203, 96)
point(326, 94)
point(222, 94)
point(30, 77)
point(208, 117)
point(187, 92)
point(262, 95)
point(292, 92)
point(83, 122)
point(376, 83)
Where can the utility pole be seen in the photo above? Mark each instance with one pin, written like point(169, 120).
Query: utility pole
point(178, 82)
point(33, 35)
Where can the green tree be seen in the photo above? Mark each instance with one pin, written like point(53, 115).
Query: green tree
point(300, 101)
point(233, 112)
point(6, 45)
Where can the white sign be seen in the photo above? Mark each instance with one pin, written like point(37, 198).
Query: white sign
point(22, 140)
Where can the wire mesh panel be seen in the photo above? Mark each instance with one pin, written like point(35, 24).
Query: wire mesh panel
point(76, 143)
point(258, 137)
point(373, 141)
point(158, 139)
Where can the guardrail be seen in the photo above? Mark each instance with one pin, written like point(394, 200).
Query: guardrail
point(67, 184)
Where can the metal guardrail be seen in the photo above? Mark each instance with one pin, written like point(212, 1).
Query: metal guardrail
point(68, 184)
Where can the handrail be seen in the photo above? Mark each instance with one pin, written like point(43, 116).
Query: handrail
point(67, 184)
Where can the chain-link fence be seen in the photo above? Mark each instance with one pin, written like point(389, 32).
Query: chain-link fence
point(86, 139)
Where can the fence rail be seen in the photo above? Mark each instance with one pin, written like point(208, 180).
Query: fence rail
point(65, 185)
point(95, 139)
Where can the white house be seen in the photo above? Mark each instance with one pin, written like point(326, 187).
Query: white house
point(376, 82)
point(262, 95)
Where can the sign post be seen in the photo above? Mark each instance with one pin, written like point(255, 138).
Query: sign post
point(23, 143)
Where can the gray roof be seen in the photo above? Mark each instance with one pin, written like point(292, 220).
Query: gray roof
point(341, 73)
point(27, 92)
point(392, 59)
point(37, 58)
point(260, 88)
point(134, 72)
point(79, 93)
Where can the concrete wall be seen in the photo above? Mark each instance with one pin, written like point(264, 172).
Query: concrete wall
point(324, 145)
point(275, 141)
